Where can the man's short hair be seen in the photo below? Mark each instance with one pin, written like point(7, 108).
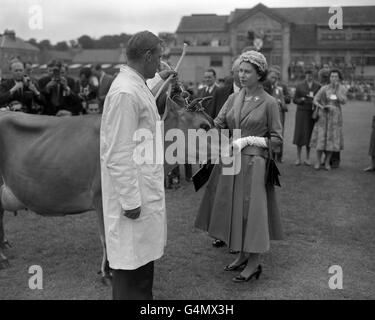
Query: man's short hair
point(212, 71)
point(98, 67)
point(308, 71)
point(12, 62)
point(51, 64)
point(140, 43)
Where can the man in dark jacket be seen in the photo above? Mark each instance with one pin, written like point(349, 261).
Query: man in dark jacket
point(19, 93)
point(61, 100)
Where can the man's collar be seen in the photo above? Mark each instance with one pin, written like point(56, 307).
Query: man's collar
point(126, 68)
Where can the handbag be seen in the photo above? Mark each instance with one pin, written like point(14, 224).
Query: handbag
point(272, 171)
point(202, 175)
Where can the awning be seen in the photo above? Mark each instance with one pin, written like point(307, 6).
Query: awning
point(118, 66)
point(75, 66)
point(88, 65)
point(34, 65)
point(105, 66)
point(43, 66)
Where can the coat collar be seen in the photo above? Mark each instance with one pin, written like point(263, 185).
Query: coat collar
point(257, 99)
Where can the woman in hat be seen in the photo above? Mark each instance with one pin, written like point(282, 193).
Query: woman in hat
point(241, 209)
point(327, 133)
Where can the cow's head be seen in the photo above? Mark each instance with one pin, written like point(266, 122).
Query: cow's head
point(180, 113)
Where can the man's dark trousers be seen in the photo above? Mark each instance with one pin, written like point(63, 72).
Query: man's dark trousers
point(133, 284)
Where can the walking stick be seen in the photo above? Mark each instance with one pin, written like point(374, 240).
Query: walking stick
point(170, 77)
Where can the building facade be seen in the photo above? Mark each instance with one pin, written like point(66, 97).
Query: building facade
point(12, 47)
point(292, 38)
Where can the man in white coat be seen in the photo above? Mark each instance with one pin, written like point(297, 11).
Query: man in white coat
point(133, 193)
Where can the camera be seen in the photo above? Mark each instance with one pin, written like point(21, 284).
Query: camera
point(26, 80)
point(56, 74)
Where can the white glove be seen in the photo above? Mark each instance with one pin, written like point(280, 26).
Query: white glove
point(240, 143)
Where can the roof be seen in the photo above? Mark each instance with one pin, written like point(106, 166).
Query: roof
point(16, 43)
point(320, 15)
point(300, 16)
point(304, 37)
point(99, 56)
point(191, 50)
point(203, 23)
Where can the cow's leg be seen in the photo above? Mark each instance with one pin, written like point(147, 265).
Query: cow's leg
point(4, 243)
point(104, 270)
point(4, 262)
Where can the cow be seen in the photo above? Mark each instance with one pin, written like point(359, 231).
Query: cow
point(51, 165)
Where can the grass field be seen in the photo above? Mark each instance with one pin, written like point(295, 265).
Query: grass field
point(329, 219)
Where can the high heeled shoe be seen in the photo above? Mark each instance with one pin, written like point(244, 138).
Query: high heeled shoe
point(255, 274)
point(235, 267)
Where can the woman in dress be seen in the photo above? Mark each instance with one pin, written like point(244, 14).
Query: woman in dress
point(327, 133)
point(240, 209)
point(304, 123)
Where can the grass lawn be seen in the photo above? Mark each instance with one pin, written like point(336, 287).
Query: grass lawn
point(329, 219)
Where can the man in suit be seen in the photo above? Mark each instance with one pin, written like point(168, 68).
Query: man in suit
point(210, 87)
point(19, 93)
point(281, 94)
point(105, 81)
point(232, 84)
point(61, 100)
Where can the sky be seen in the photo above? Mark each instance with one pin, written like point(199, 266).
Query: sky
point(64, 20)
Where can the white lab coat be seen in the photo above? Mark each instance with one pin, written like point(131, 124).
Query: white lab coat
point(130, 106)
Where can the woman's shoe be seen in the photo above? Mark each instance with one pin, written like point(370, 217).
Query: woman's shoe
point(218, 243)
point(255, 274)
point(317, 166)
point(327, 167)
point(234, 268)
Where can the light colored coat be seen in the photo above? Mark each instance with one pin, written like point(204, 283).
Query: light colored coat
point(130, 106)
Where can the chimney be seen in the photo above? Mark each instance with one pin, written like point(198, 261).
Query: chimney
point(10, 34)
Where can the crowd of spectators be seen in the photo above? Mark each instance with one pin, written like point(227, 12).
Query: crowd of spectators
point(55, 93)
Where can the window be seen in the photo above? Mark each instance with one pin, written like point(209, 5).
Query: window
point(276, 60)
point(362, 60)
point(363, 36)
point(216, 61)
point(334, 35)
point(371, 61)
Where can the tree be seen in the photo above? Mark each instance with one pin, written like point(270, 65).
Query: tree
point(33, 42)
point(45, 45)
point(86, 42)
point(62, 46)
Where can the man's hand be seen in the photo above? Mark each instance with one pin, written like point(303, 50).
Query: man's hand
point(33, 88)
point(17, 86)
point(50, 85)
point(166, 73)
point(132, 214)
point(63, 113)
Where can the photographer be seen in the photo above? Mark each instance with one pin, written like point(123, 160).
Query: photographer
point(61, 100)
point(20, 93)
